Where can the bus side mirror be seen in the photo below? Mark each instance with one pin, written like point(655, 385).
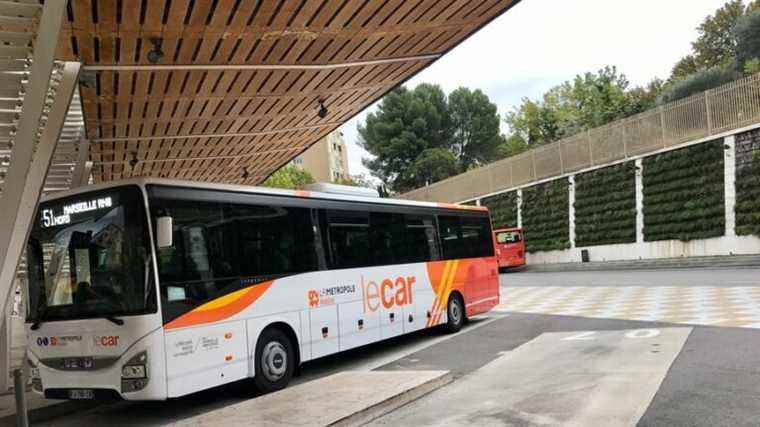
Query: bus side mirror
point(164, 225)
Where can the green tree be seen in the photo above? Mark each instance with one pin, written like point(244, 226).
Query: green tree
point(588, 101)
point(475, 123)
point(513, 146)
point(289, 177)
point(434, 164)
point(717, 44)
point(752, 66)
point(686, 66)
point(420, 136)
point(406, 123)
point(747, 35)
point(698, 82)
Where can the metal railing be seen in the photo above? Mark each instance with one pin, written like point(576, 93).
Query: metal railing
point(732, 106)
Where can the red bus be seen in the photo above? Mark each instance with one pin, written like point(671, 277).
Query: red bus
point(510, 247)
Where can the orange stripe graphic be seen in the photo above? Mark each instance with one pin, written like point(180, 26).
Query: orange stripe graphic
point(444, 300)
point(438, 287)
point(220, 308)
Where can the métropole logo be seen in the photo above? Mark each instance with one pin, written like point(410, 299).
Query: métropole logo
point(390, 292)
point(313, 298)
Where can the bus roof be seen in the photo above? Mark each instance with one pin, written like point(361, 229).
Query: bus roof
point(255, 190)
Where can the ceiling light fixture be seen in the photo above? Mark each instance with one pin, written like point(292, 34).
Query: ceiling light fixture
point(323, 111)
point(155, 54)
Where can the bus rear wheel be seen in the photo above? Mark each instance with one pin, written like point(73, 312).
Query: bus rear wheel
point(274, 361)
point(455, 313)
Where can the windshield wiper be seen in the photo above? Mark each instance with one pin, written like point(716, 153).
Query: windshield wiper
point(114, 320)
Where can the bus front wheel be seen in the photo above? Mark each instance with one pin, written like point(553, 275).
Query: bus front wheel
point(455, 313)
point(274, 362)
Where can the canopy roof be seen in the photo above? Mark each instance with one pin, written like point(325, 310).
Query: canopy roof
point(236, 93)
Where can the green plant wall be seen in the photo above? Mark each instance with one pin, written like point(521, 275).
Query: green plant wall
point(545, 216)
point(684, 193)
point(503, 209)
point(748, 183)
point(605, 206)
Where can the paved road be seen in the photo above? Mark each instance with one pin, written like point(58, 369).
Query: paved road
point(529, 363)
point(719, 297)
point(722, 277)
point(714, 379)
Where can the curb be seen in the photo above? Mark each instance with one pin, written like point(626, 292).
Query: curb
point(391, 404)
point(658, 264)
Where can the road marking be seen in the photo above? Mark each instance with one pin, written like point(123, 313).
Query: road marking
point(583, 336)
point(701, 305)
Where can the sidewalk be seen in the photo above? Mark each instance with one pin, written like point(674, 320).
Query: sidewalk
point(735, 261)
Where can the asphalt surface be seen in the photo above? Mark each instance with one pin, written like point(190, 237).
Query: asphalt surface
point(714, 277)
point(713, 379)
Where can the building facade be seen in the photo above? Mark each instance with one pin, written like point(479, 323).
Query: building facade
point(327, 160)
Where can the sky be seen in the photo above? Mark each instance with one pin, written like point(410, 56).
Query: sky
point(541, 43)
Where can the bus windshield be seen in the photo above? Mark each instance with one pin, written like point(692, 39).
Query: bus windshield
point(89, 256)
point(507, 237)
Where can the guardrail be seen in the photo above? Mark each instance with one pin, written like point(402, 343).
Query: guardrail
point(732, 106)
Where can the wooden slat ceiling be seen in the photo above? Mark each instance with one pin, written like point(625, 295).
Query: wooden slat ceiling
point(236, 94)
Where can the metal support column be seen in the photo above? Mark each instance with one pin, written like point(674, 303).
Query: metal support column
point(571, 210)
point(639, 201)
point(519, 208)
point(729, 171)
point(18, 199)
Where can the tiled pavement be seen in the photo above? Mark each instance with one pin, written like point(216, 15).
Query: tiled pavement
point(714, 306)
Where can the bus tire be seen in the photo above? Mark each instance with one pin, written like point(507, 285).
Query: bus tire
point(455, 314)
point(275, 361)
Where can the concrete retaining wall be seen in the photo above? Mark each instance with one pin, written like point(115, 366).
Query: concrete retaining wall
point(728, 244)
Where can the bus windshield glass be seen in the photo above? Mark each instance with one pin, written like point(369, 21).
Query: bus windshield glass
point(507, 237)
point(89, 256)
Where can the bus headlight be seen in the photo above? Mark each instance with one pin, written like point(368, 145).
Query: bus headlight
point(134, 373)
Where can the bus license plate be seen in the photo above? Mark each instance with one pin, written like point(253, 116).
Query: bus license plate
point(80, 394)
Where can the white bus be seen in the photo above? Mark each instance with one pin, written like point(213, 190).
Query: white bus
point(149, 289)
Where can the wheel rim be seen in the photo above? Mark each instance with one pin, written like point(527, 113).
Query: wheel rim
point(455, 311)
point(274, 361)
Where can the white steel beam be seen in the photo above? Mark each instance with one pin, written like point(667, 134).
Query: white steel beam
point(308, 67)
point(81, 173)
point(20, 196)
point(16, 202)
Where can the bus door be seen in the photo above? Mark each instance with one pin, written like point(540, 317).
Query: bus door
point(201, 351)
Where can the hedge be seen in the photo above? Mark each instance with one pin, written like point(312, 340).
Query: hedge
point(748, 183)
point(684, 194)
point(605, 206)
point(503, 209)
point(545, 216)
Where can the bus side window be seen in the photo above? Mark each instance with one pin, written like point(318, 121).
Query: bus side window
point(387, 238)
point(451, 237)
point(465, 236)
point(476, 237)
point(273, 240)
point(348, 236)
point(420, 239)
